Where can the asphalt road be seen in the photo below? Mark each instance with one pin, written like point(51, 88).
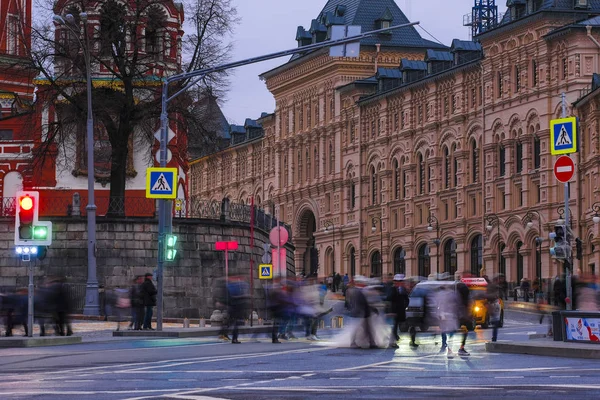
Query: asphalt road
point(257, 369)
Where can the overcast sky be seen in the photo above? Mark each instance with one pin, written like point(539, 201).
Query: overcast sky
point(268, 26)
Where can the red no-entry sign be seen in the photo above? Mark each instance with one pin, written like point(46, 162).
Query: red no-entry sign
point(564, 168)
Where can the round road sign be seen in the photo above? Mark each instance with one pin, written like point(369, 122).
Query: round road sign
point(564, 169)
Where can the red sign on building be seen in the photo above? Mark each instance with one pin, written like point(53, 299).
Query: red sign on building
point(564, 169)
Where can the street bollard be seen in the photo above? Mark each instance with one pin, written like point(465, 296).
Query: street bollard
point(340, 322)
point(321, 324)
point(333, 322)
point(202, 323)
point(186, 323)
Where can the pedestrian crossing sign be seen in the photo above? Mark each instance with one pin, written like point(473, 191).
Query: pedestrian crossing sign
point(265, 271)
point(161, 183)
point(563, 136)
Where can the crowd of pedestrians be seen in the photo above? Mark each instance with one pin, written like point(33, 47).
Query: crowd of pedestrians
point(52, 305)
point(135, 304)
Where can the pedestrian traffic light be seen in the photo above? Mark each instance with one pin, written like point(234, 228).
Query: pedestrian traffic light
point(579, 247)
point(28, 230)
point(170, 251)
point(560, 231)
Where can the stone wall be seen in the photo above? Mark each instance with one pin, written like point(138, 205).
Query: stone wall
point(128, 247)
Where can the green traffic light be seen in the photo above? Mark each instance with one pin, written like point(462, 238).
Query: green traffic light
point(171, 240)
point(40, 232)
point(171, 253)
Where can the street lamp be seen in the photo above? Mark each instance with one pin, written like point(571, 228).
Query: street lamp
point(491, 220)
point(329, 224)
point(92, 304)
point(596, 209)
point(561, 216)
point(528, 221)
point(430, 220)
point(374, 229)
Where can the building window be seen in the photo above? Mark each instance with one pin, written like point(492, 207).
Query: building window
point(307, 165)
point(331, 159)
point(502, 160)
point(450, 259)
point(6, 134)
point(301, 118)
point(308, 116)
point(421, 173)
point(424, 260)
point(404, 180)
point(403, 120)
point(475, 162)
point(476, 255)
point(352, 195)
point(447, 168)
point(500, 84)
point(373, 128)
point(376, 264)
point(519, 262)
point(352, 132)
point(537, 153)
point(299, 167)
point(565, 68)
point(446, 106)
point(396, 180)
point(373, 186)
point(316, 158)
point(400, 261)
point(285, 171)
point(352, 262)
point(535, 73)
point(454, 167)
point(519, 157)
point(396, 122)
point(517, 79)
point(331, 107)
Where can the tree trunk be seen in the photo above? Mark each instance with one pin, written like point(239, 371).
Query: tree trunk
point(118, 178)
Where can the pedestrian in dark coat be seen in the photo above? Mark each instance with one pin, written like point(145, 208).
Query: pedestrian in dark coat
point(148, 296)
point(137, 303)
point(398, 299)
point(360, 308)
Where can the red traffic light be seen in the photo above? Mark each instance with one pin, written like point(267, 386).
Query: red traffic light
point(26, 203)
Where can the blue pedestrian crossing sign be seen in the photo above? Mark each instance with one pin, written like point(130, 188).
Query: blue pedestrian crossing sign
point(265, 271)
point(563, 136)
point(161, 183)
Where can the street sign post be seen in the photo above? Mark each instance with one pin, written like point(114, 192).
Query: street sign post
point(161, 183)
point(564, 169)
point(265, 271)
point(563, 136)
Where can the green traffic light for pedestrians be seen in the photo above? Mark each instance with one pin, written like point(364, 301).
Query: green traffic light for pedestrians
point(170, 251)
point(40, 232)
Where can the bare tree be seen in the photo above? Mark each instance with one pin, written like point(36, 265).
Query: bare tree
point(132, 46)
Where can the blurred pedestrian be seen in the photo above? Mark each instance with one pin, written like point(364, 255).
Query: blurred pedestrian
point(448, 306)
point(559, 290)
point(464, 313)
point(62, 306)
point(345, 282)
point(137, 303)
point(494, 308)
point(238, 295)
point(122, 305)
point(148, 295)
point(360, 308)
point(525, 289)
point(398, 299)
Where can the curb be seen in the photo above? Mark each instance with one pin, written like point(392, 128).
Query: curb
point(191, 332)
point(567, 350)
point(39, 341)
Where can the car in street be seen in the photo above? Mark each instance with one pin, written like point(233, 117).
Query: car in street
point(421, 312)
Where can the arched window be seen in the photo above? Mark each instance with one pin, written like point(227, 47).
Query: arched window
point(352, 262)
point(299, 167)
point(519, 262)
point(476, 255)
point(450, 265)
point(519, 157)
point(352, 195)
point(421, 164)
point(307, 165)
point(285, 171)
point(502, 159)
point(316, 158)
point(373, 186)
point(447, 168)
point(502, 260)
point(331, 159)
point(376, 264)
point(537, 153)
point(474, 162)
point(424, 260)
point(399, 261)
point(454, 167)
point(396, 180)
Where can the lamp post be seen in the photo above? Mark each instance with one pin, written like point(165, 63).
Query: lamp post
point(561, 216)
point(596, 209)
point(374, 229)
point(430, 220)
point(92, 304)
point(491, 220)
point(329, 224)
point(528, 220)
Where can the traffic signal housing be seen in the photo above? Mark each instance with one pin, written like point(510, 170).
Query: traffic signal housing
point(28, 230)
point(579, 249)
point(170, 250)
point(561, 249)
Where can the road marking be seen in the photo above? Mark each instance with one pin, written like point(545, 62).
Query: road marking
point(344, 379)
point(509, 377)
point(564, 376)
point(362, 366)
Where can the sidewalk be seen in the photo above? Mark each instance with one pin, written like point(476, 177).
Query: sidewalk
point(546, 347)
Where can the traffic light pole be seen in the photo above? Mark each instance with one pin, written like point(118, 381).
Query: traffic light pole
point(196, 76)
point(30, 300)
point(569, 259)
